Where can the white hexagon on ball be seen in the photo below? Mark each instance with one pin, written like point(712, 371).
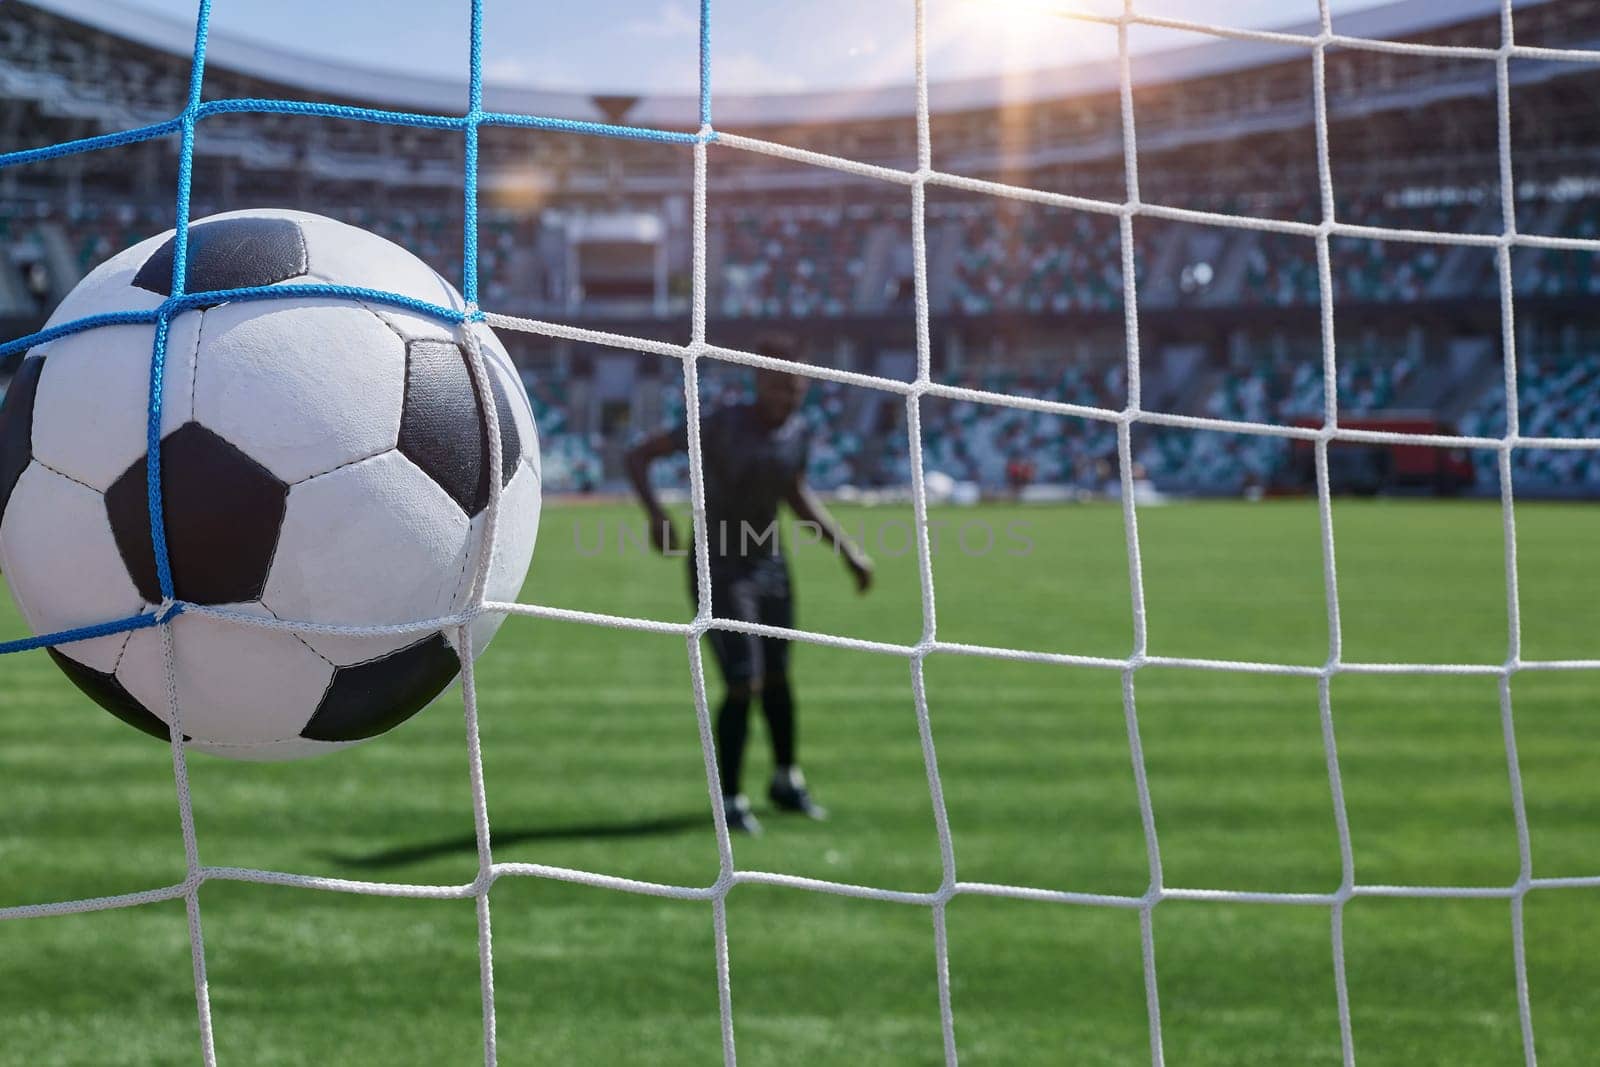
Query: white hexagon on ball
point(359, 547)
point(91, 416)
point(66, 574)
point(265, 383)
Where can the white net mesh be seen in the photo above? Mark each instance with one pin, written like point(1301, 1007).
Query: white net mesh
point(916, 182)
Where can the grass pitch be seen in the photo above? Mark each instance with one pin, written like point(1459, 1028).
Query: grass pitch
point(593, 762)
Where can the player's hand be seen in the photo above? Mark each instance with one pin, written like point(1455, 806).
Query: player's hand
point(860, 569)
point(663, 535)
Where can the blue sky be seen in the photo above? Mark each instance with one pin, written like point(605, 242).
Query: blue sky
point(758, 45)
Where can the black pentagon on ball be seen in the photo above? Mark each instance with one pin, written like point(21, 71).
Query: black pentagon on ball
point(223, 512)
point(105, 690)
point(229, 254)
point(16, 426)
point(368, 698)
point(442, 426)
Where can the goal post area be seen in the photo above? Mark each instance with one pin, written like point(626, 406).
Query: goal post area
point(640, 262)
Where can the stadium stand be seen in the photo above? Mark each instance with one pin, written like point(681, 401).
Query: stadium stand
point(1007, 258)
point(1024, 293)
point(1564, 272)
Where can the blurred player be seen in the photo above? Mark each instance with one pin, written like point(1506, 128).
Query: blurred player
point(754, 457)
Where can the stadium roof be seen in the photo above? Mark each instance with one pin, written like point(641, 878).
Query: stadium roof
point(677, 111)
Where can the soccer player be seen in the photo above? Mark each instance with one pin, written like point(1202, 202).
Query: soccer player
point(754, 457)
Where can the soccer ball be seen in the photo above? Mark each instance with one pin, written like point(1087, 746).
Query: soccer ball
point(323, 461)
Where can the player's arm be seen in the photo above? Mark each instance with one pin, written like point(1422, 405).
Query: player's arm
point(808, 508)
point(637, 461)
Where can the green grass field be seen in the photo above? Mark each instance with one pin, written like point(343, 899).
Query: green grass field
point(593, 761)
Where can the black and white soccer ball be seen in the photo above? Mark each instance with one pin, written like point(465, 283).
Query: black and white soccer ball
point(323, 460)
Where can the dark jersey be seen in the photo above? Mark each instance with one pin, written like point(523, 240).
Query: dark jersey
point(749, 468)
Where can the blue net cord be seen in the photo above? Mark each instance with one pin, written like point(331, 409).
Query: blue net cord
point(705, 67)
point(185, 125)
point(88, 633)
point(378, 116)
point(90, 144)
point(186, 301)
point(180, 273)
point(152, 465)
point(469, 181)
point(88, 322)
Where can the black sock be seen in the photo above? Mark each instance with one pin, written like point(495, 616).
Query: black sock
point(733, 725)
point(777, 703)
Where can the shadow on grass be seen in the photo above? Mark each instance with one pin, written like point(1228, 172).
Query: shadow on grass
point(395, 857)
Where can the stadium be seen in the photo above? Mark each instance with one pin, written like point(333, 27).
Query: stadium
point(596, 233)
point(1220, 326)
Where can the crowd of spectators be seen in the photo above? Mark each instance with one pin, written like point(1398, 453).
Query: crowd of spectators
point(1280, 270)
point(1004, 258)
point(1558, 396)
point(968, 441)
point(1014, 257)
point(986, 255)
point(1563, 271)
point(996, 445)
point(1278, 388)
point(796, 263)
point(988, 444)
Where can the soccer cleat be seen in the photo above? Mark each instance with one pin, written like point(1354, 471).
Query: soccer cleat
point(740, 819)
point(792, 796)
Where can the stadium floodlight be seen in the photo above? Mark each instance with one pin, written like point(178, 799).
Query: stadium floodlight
point(698, 350)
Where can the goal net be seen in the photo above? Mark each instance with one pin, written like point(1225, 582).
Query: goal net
point(914, 185)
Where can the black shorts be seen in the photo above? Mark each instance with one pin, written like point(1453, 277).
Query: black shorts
point(758, 592)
